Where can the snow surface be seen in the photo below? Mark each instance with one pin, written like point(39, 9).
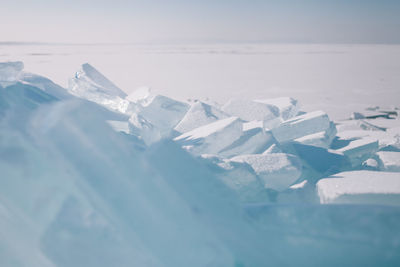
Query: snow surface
point(336, 78)
point(361, 187)
point(288, 107)
point(250, 110)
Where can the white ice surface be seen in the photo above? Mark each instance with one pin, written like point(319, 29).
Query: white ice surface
point(198, 115)
point(250, 110)
point(390, 161)
point(213, 137)
point(360, 187)
point(277, 171)
point(320, 139)
point(360, 150)
point(337, 78)
point(300, 126)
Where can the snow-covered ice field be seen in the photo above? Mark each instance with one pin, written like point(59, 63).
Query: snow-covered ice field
point(238, 155)
point(338, 79)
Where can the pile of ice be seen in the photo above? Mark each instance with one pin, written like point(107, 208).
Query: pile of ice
point(91, 176)
point(279, 144)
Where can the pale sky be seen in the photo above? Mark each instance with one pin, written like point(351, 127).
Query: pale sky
point(124, 21)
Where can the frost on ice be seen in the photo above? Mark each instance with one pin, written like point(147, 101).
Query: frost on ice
point(91, 176)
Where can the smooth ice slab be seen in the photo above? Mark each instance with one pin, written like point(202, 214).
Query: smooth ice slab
point(303, 125)
point(389, 161)
point(250, 110)
point(199, 115)
point(213, 137)
point(360, 187)
point(277, 171)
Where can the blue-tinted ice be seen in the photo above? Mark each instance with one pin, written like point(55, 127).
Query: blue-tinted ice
point(76, 192)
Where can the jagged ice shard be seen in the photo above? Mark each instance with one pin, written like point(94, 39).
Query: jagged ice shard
point(90, 176)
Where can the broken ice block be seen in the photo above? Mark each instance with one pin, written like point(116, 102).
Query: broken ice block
point(254, 140)
point(239, 177)
point(250, 110)
point(303, 125)
point(9, 72)
point(213, 137)
point(90, 84)
point(288, 107)
point(357, 125)
point(318, 162)
point(96, 81)
point(360, 187)
point(373, 114)
point(277, 171)
point(163, 113)
point(321, 139)
point(199, 115)
point(389, 161)
point(357, 151)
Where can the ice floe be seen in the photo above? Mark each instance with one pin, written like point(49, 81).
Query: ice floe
point(360, 187)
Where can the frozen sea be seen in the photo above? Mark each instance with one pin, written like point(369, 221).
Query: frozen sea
point(337, 78)
point(90, 176)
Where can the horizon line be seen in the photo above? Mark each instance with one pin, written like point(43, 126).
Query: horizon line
point(215, 42)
